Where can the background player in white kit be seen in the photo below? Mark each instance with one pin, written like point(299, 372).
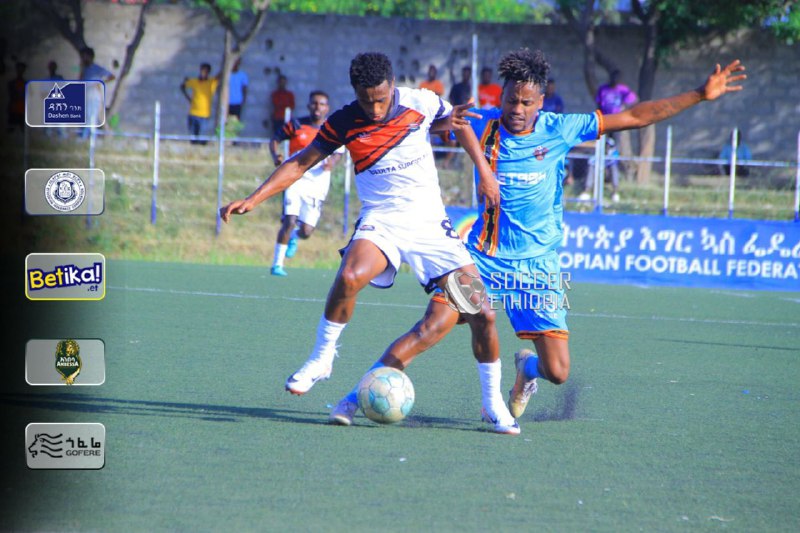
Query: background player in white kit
point(402, 220)
point(302, 201)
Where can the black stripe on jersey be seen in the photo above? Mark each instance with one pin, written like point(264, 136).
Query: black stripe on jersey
point(491, 139)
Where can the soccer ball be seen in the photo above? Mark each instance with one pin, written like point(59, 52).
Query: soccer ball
point(385, 395)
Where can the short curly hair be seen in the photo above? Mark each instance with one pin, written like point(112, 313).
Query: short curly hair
point(524, 66)
point(370, 69)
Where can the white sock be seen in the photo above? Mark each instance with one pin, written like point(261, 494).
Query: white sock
point(491, 397)
point(280, 254)
point(327, 334)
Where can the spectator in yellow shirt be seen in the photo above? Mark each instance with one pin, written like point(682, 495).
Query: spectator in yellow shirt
point(202, 96)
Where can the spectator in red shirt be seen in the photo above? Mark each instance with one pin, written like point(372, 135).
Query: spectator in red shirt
point(282, 99)
point(488, 93)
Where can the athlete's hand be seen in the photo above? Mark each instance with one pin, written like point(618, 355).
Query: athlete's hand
point(488, 190)
point(458, 118)
point(721, 80)
point(239, 207)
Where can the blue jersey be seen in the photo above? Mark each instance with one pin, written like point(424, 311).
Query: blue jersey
point(530, 170)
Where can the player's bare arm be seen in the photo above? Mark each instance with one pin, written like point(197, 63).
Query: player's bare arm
point(488, 188)
point(184, 91)
point(280, 180)
point(720, 82)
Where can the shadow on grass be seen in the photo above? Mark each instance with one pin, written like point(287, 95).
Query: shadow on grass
point(206, 412)
point(730, 344)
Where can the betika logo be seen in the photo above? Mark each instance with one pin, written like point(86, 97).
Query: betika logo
point(65, 276)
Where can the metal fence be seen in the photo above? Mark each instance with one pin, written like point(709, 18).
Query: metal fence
point(597, 163)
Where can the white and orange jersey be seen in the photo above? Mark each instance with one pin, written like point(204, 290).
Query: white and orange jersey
point(393, 159)
point(300, 133)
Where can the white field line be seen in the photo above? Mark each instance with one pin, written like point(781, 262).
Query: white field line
point(654, 318)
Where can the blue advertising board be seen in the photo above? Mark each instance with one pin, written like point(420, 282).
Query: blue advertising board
point(674, 251)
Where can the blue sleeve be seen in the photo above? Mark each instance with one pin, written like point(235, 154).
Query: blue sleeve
point(579, 127)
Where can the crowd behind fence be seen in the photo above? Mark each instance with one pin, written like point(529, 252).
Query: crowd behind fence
point(598, 166)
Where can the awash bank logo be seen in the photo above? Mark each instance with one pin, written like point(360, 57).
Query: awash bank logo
point(65, 277)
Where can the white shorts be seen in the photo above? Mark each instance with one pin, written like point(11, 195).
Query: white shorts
point(431, 248)
point(307, 209)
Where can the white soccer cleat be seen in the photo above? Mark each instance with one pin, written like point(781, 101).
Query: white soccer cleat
point(503, 427)
point(312, 371)
point(523, 387)
point(343, 413)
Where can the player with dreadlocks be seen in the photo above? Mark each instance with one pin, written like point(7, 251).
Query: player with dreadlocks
point(402, 220)
point(514, 243)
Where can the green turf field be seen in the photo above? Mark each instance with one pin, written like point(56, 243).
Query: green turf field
point(682, 413)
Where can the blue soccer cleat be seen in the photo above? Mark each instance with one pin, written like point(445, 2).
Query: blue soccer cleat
point(278, 270)
point(291, 248)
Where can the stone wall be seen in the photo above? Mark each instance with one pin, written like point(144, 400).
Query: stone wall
point(314, 51)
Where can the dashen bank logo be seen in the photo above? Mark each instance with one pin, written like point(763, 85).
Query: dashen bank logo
point(65, 277)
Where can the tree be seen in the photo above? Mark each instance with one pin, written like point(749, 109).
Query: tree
point(666, 24)
point(238, 36)
point(474, 10)
point(67, 17)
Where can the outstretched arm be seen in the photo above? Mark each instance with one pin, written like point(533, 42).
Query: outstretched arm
point(488, 188)
point(720, 82)
point(283, 176)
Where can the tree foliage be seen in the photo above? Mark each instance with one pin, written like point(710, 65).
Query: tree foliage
point(515, 11)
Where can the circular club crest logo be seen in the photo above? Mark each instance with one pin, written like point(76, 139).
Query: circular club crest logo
point(65, 191)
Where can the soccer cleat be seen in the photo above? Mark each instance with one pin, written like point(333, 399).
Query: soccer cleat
point(584, 196)
point(301, 381)
point(523, 387)
point(505, 429)
point(343, 413)
point(291, 248)
point(278, 270)
point(615, 197)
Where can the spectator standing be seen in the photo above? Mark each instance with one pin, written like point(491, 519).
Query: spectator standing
point(742, 154)
point(202, 90)
point(432, 83)
point(552, 101)
point(16, 99)
point(95, 99)
point(615, 97)
point(282, 99)
point(237, 90)
point(489, 93)
point(461, 92)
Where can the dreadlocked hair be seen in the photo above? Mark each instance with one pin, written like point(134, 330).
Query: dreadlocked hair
point(370, 69)
point(524, 66)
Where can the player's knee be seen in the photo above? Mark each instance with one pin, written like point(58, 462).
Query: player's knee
point(429, 332)
point(484, 319)
point(351, 280)
point(558, 373)
point(305, 233)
